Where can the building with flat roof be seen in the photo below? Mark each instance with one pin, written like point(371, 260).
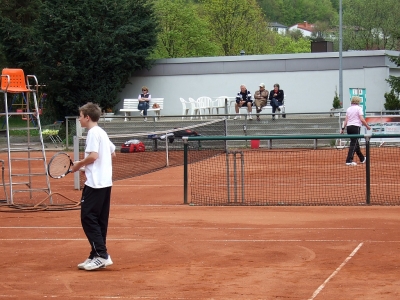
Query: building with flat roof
point(308, 79)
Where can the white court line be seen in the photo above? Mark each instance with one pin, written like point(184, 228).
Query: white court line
point(320, 288)
point(56, 227)
point(103, 297)
point(216, 241)
point(201, 228)
point(79, 239)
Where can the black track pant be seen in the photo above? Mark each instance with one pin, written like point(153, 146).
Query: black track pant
point(354, 145)
point(95, 210)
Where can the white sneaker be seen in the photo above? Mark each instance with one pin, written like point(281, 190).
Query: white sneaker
point(141, 112)
point(364, 161)
point(351, 164)
point(145, 119)
point(97, 263)
point(81, 266)
point(109, 262)
point(250, 118)
point(237, 117)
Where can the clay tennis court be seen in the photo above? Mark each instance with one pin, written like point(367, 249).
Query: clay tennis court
point(163, 249)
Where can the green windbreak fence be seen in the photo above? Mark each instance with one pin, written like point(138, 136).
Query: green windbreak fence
point(291, 170)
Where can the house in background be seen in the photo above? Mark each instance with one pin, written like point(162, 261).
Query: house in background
point(279, 28)
point(305, 28)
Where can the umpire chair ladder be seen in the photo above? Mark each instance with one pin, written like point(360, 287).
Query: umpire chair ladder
point(13, 81)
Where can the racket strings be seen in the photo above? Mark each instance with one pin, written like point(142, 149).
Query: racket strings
point(59, 165)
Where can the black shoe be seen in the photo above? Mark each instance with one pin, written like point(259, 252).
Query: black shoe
point(278, 109)
point(273, 118)
point(258, 119)
point(284, 116)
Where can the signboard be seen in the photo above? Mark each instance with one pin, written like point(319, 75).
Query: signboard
point(362, 93)
point(384, 125)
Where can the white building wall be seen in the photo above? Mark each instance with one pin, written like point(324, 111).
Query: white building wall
point(306, 90)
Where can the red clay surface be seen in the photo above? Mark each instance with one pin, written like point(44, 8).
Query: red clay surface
point(163, 249)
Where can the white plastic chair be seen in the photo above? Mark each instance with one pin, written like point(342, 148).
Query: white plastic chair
point(205, 103)
point(218, 103)
point(185, 107)
point(195, 106)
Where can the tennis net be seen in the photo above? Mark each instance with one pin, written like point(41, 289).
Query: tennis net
point(248, 174)
point(142, 153)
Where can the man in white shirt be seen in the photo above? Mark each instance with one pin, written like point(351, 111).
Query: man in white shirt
point(95, 202)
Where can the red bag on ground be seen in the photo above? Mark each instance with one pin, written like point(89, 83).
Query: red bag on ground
point(132, 146)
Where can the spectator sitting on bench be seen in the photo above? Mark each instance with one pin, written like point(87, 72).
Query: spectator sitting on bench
point(276, 99)
point(260, 99)
point(243, 99)
point(144, 99)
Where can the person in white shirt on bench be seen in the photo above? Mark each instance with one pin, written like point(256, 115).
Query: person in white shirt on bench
point(144, 99)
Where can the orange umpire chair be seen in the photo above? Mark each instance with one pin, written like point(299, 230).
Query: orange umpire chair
point(14, 81)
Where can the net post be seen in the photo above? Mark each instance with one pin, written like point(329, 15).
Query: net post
point(226, 133)
point(234, 177)
point(166, 150)
point(368, 168)
point(185, 169)
point(242, 173)
point(227, 176)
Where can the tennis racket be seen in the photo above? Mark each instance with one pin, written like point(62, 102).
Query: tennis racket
point(59, 165)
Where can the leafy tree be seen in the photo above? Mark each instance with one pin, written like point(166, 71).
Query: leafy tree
point(392, 98)
point(335, 4)
point(237, 25)
point(394, 81)
point(89, 49)
point(286, 44)
point(321, 31)
point(370, 25)
point(291, 12)
point(182, 32)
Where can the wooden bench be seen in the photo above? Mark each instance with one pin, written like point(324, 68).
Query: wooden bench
point(131, 105)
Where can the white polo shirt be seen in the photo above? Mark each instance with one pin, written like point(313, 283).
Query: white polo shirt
point(99, 173)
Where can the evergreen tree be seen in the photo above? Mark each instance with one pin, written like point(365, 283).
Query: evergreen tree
point(17, 33)
point(81, 50)
point(89, 48)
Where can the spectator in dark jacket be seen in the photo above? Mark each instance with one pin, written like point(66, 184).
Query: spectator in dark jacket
point(144, 99)
point(276, 97)
point(243, 99)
